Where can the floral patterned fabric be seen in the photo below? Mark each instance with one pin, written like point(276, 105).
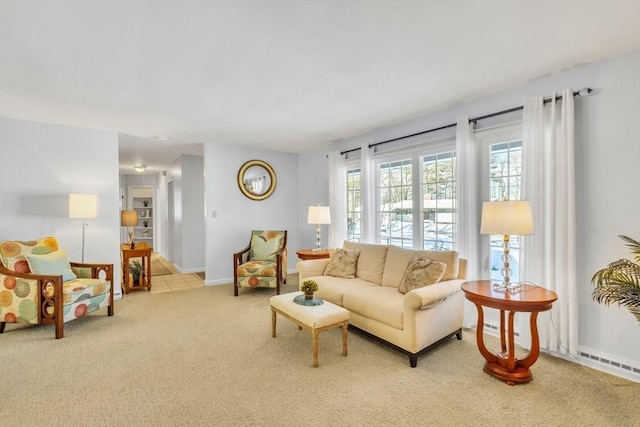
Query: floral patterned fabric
point(12, 253)
point(19, 297)
point(259, 270)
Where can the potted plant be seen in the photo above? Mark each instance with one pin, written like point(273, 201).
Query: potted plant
point(136, 271)
point(620, 281)
point(308, 287)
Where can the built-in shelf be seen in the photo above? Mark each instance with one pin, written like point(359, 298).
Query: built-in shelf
point(141, 200)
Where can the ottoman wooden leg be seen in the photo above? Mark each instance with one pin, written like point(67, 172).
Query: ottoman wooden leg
point(344, 339)
point(315, 334)
point(273, 322)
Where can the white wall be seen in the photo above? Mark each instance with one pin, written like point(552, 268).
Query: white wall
point(40, 164)
point(237, 215)
point(187, 174)
point(607, 162)
point(312, 164)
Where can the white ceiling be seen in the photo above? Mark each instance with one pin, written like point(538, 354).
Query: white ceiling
point(282, 75)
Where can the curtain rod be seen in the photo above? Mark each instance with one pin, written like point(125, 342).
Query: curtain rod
point(581, 92)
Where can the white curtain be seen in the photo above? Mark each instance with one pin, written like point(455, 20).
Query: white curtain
point(368, 197)
point(467, 223)
point(467, 216)
point(337, 199)
point(548, 181)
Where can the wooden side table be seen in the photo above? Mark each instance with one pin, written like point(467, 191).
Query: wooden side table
point(305, 254)
point(142, 250)
point(533, 299)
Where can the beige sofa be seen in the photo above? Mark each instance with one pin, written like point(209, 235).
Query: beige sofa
point(411, 322)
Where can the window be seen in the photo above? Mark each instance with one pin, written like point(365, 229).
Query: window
point(439, 195)
point(354, 205)
point(416, 197)
point(505, 177)
point(505, 170)
point(395, 203)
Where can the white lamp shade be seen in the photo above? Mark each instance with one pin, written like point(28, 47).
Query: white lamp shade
point(319, 215)
point(510, 217)
point(128, 218)
point(83, 205)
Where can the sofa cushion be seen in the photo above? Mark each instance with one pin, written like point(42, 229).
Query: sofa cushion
point(421, 272)
point(382, 303)
point(77, 290)
point(55, 263)
point(342, 263)
point(398, 259)
point(370, 262)
point(257, 268)
point(12, 253)
point(333, 288)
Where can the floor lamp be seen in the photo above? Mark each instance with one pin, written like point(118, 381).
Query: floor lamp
point(509, 217)
point(83, 206)
point(319, 215)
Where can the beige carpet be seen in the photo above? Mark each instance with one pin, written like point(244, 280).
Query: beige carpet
point(201, 357)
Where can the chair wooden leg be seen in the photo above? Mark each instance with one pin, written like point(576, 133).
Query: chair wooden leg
point(235, 289)
point(110, 309)
point(59, 327)
point(2, 326)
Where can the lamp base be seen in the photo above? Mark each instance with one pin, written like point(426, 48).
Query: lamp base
point(507, 288)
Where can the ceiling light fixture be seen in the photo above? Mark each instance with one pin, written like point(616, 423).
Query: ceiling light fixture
point(161, 138)
point(140, 168)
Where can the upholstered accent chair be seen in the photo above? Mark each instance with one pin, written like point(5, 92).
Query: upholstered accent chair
point(39, 285)
point(263, 263)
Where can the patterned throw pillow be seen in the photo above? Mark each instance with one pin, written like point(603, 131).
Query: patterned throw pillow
point(265, 248)
point(421, 272)
point(54, 264)
point(342, 263)
point(12, 253)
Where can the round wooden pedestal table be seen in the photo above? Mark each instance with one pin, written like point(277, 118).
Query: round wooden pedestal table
point(532, 299)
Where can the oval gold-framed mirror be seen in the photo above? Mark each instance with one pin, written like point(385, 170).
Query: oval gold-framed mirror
point(257, 179)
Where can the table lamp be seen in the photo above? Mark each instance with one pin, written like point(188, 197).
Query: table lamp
point(319, 215)
point(509, 217)
point(129, 219)
point(83, 206)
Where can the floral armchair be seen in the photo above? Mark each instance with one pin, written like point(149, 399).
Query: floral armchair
point(263, 263)
point(39, 285)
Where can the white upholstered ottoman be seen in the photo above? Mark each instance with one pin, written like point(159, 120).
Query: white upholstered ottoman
point(313, 318)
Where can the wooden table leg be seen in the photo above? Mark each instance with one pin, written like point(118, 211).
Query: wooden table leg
point(344, 338)
point(488, 356)
point(535, 343)
point(315, 333)
point(148, 271)
point(273, 322)
point(508, 367)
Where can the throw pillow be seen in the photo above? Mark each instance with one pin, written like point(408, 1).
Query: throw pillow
point(54, 264)
point(342, 263)
point(263, 249)
point(12, 253)
point(421, 272)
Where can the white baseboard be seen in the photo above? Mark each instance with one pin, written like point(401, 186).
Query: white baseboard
point(614, 365)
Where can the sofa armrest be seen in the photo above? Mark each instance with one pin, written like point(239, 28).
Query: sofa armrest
point(311, 267)
point(92, 270)
point(432, 295)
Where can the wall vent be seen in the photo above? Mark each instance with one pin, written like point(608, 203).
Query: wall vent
point(607, 361)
